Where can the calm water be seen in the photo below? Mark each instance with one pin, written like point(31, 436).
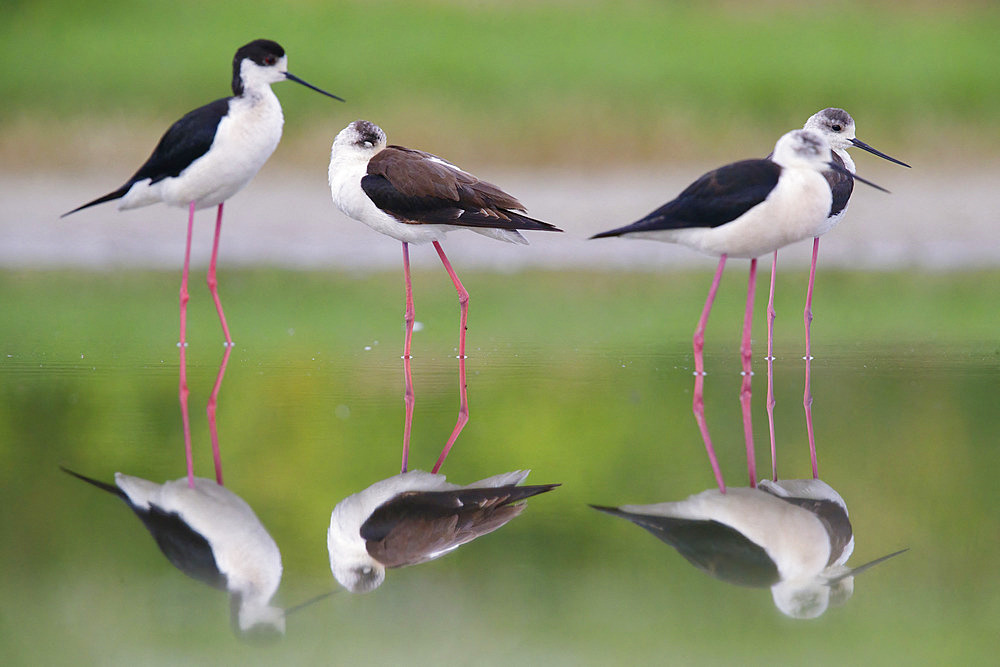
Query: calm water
point(906, 434)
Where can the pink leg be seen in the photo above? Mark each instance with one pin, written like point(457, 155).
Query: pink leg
point(213, 400)
point(463, 407)
point(409, 317)
point(745, 393)
point(182, 344)
point(807, 398)
point(770, 369)
point(698, 343)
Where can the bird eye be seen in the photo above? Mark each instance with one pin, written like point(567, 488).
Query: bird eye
point(368, 144)
point(837, 127)
point(270, 60)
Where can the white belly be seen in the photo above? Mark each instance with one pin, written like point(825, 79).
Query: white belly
point(245, 139)
point(345, 189)
point(796, 209)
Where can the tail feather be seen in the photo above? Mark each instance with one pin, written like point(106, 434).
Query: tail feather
point(648, 224)
point(511, 220)
point(111, 196)
point(527, 223)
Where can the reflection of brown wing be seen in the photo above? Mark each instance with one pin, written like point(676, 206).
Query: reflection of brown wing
point(417, 526)
point(416, 187)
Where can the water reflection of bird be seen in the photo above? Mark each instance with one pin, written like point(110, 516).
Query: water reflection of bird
point(416, 197)
point(212, 535)
point(415, 517)
point(793, 536)
point(208, 156)
point(837, 127)
point(744, 209)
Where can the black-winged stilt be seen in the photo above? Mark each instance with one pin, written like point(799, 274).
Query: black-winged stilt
point(201, 161)
point(837, 126)
point(414, 517)
point(792, 536)
point(745, 209)
point(416, 197)
point(212, 535)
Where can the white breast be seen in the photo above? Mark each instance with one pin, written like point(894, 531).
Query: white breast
point(796, 209)
point(244, 140)
point(345, 174)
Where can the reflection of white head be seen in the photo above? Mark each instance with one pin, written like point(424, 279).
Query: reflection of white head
point(841, 590)
point(810, 599)
point(834, 586)
point(361, 576)
point(801, 599)
point(350, 562)
point(253, 617)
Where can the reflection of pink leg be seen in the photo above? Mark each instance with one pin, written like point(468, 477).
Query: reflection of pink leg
point(698, 343)
point(408, 397)
point(463, 407)
point(807, 398)
point(745, 393)
point(182, 344)
point(463, 414)
point(770, 369)
point(213, 400)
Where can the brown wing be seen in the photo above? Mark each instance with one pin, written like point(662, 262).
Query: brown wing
point(417, 187)
point(417, 526)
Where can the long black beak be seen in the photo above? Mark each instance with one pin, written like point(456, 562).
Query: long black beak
point(844, 170)
point(865, 147)
point(292, 77)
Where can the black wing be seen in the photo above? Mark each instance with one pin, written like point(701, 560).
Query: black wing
point(841, 186)
point(716, 198)
point(186, 141)
point(712, 547)
point(417, 526)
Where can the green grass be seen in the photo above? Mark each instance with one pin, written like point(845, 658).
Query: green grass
point(625, 81)
point(623, 311)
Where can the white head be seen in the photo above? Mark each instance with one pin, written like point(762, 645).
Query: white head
point(361, 139)
point(803, 149)
point(808, 149)
point(836, 126)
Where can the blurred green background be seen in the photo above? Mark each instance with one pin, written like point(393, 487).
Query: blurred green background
point(535, 82)
point(311, 411)
point(582, 376)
